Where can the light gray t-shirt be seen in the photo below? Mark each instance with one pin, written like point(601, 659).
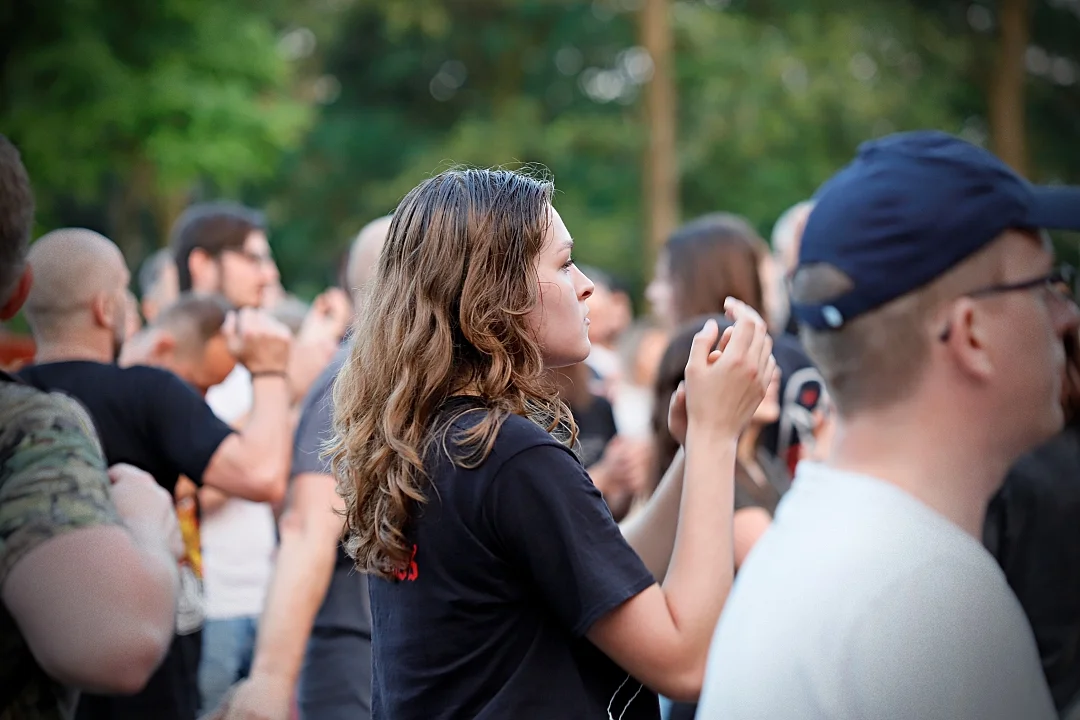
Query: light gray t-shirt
point(861, 602)
point(346, 606)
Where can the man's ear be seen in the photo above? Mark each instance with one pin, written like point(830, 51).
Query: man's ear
point(163, 344)
point(202, 267)
point(966, 339)
point(103, 308)
point(18, 295)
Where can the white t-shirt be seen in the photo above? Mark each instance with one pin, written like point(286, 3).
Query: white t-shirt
point(239, 540)
point(862, 603)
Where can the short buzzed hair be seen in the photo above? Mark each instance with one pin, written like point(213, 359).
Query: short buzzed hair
point(16, 217)
point(194, 318)
point(877, 358)
point(213, 228)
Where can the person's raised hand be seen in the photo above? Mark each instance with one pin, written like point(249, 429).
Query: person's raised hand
point(677, 419)
point(258, 341)
point(724, 386)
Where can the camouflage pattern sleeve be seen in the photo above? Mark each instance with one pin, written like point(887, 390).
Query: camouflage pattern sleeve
point(52, 474)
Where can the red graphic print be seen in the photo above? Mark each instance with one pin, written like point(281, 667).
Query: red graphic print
point(409, 573)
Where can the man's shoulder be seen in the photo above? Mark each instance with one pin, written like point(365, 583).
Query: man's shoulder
point(96, 375)
point(148, 374)
point(31, 415)
point(45, 436)
point(320, 389)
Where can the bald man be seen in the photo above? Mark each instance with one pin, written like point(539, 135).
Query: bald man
point(316, 628)
point(88, 582)
point(151, 419)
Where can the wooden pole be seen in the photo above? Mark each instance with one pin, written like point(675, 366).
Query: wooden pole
point(1006, 93)
point(661, 173)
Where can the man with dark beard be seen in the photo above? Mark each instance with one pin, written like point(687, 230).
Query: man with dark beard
point(150, 418)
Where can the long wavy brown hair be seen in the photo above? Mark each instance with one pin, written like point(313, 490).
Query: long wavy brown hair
point(445, 315)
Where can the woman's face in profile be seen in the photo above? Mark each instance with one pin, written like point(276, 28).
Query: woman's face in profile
point(559, 320)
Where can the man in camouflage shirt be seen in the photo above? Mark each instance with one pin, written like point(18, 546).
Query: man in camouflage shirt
point(52, 480)
point(88, 577)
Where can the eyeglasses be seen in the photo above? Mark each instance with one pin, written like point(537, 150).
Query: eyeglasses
point(1059, 285)
point(1061, 282)
point(253, 258)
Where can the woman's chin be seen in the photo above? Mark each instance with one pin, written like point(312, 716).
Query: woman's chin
point(568, 359)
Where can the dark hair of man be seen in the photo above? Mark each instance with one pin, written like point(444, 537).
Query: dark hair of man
point(214, 228)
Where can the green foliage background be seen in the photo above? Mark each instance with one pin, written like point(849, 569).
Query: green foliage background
point(325, 112)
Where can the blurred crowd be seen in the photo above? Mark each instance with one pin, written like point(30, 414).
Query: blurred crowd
point(209, 396)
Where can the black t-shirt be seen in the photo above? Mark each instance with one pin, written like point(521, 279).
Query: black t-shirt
point(513, 562)
point(596, 428)
point(149, 418)
point(1033, 529)
point(344, 610)
point(749, 493)
point(146, 417)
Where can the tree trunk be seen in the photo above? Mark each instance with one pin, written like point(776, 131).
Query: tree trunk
point(1006, 97)
point(661, 173)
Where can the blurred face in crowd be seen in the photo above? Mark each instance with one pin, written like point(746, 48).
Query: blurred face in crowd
point(210, 367)
point(660, 294)
point(773, 295)
point(132, 318)
point(789, 257)
point(241, 275)
point(609, 315)
point(558, 320)
point(164, 292)
point(1023, 344)
point(246, 274)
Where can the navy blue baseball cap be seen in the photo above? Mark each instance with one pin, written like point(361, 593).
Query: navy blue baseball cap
point(910, 207)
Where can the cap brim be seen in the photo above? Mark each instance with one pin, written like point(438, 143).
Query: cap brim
point(1055, 208)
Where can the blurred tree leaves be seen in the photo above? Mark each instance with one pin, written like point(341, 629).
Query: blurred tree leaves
point(771, 109)
point(326, 112)
point(130, 105)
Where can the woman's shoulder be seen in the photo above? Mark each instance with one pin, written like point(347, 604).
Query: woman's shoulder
point(515, 435)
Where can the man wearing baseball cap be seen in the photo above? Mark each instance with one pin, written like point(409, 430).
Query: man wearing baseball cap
point(927, 296)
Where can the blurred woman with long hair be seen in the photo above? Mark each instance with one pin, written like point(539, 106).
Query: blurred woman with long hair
point(501, 587)
point(717, 256)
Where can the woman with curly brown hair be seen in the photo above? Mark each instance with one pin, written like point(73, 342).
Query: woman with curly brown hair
point(501, 587)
